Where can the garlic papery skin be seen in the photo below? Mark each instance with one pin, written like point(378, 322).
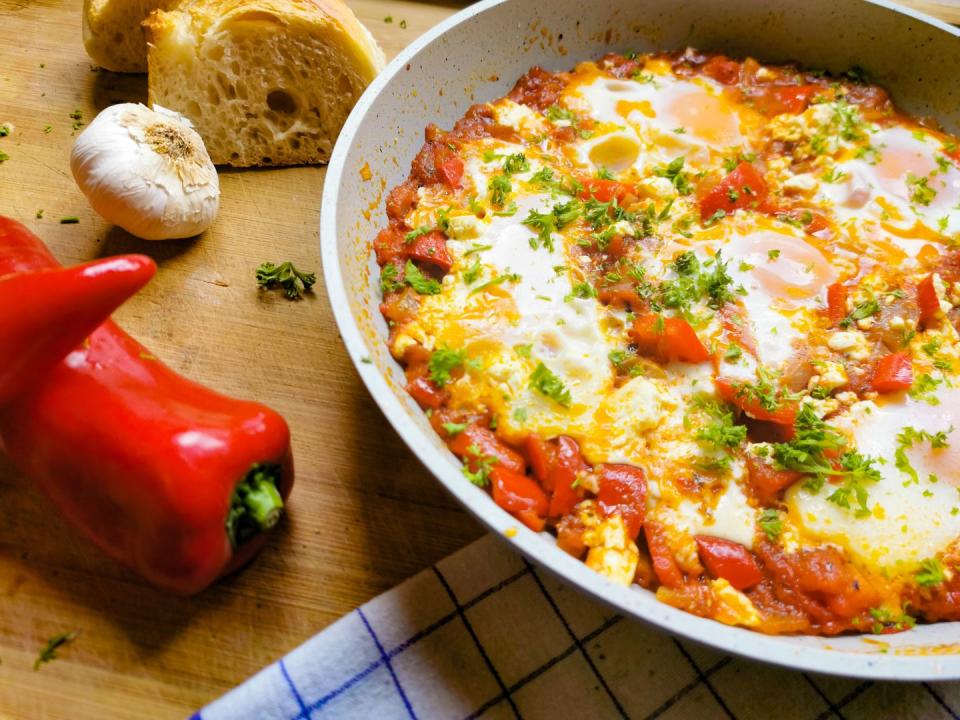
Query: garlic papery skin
point(147, 171)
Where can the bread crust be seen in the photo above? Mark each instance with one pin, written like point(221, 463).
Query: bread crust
point(199, 44)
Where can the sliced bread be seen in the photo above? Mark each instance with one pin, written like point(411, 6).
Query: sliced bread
point(112, 34)
point(265, 82)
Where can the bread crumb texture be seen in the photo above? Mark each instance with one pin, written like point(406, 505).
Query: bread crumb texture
point(265, 82)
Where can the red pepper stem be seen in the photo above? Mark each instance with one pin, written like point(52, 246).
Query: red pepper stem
point(256, 504)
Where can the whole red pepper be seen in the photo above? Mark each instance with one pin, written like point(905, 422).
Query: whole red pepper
point(53, 310)
point(173, 480)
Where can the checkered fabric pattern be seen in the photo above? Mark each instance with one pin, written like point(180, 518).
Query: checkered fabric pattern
point(483, 634)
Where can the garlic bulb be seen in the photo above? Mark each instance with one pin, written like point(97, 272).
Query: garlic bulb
point(147, 171)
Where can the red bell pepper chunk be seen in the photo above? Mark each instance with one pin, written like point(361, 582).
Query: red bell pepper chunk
point(569, 463)
point(722, 69)
point(784, 413)
point(426, 393)
point(623, 491)
point(836, 303)
point(540, 457)
point(432, 248)
point(519, 495)
point(173, 480)
point(449, 166)
point(743, 187)
point(668, 338)
point(476, 442)
point(56, 309)
point(389, 246)
point(605, 190)
point(792, 98)
point(927, 300)
point(665, 567)
point(893, 372)
point(729, 560)
point(766, 481)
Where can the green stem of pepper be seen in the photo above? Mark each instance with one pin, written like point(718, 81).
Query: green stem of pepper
point(256, 505)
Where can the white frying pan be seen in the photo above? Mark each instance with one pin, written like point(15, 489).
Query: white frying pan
point(476, 56)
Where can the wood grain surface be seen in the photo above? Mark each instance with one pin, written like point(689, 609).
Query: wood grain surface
point(364, 514)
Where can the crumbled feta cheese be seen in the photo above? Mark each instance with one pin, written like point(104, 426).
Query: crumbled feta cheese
point(464, 227)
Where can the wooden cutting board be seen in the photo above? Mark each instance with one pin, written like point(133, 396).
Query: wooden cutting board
point(364, 516)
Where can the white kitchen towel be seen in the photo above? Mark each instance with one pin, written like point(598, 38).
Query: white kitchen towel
point(485, 635)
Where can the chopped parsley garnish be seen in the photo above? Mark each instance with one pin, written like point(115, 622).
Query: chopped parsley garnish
point(833, 175)
point(722, 433)
point(930, 573)
point(923, 388)
point(414, 234)
point(604, 174)
point(294, 282)
point(49, 651)
point(862, 311)
point(388, 279)
point(773, 254)
point(771, 523)
point(547, 223)
point(77, 117)
point(422, 284)
point(454, 428)
point(886, 621)
point(675, 174)
point(556, 113)
point(582, 290)
point(3, 156)
point(471, 274)
point(549, 385)
point(515, 164)
point(920, 190)
point(497, 280)
point(814, 451)
point(733, 354)
point(442, 362)
point(484, 464)
point(693, 283)
point(499, 187)
point(523, 350)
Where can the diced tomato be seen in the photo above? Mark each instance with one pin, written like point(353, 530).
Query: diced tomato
point(767, 482)
point(784, 413)
point(426, 393)
point(568, 464)
point(621, 295)
point(570, 536)
point(893, 372)
point(669, 338)
point(605, 190)
point(722, 69)
point(540, 455)
point(743, 187)
point(664, 565)
point(836, 303)
point(432, 248)
point(826, 575)
point(812, 222)
point(449, 166)
point(623, 491)
point(786, 99)
point(477, 441)
point(389, 246)
point(531, 520)
point(515, 492)
point(927, 299)
point(729, 560)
